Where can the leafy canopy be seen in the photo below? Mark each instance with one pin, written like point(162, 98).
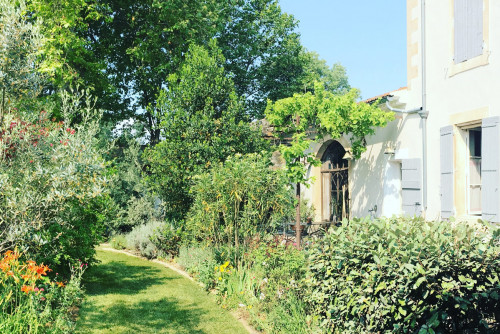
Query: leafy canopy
point(311, 116)
point(202, 123)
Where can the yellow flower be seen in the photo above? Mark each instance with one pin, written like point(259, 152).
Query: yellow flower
point(220, 278)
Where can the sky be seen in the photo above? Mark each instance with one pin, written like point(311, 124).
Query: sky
point(367, 37)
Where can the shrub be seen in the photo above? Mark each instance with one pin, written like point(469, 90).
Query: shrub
point(139, 239)
point(54, 198)
point(237, 200)
point(118, 241)
point(199, 261)
point(167, 240)
point(405, 276)
point(140, 211)
point(30, 302)
point(268, 283)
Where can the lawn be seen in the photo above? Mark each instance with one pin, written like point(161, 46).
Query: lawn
point(130, 295)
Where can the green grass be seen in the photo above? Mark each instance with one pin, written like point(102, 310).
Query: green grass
point(130, 295)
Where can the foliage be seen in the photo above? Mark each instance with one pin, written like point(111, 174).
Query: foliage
point(202, 124)
point(237, 200)
point(334, 79)
point(167, 240)
point(327, 114)
point(140, 211)
point(401, 276)
point(199, 261)
point(21, 42)
point(68, 56)
point(118, 241)
point(268, 284)
point(139, 239)
point(307, 210)
point(30, 302)
point(53, 187)
point(263, 52)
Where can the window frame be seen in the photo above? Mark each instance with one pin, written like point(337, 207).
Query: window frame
point(468, 171)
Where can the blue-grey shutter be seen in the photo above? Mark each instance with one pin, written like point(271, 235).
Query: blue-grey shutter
point(446, 189)
point(411, 187)
point(490, 152)
point(474, 28)
point(468, 29)
point(460, 27)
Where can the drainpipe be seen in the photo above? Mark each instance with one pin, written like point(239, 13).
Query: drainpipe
point(422, 111)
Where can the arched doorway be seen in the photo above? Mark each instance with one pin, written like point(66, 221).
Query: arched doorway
point(334, 183)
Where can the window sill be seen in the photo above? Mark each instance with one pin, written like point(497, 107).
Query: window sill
point(478, 61)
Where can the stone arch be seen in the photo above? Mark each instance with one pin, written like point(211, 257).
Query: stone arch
point(334, 176)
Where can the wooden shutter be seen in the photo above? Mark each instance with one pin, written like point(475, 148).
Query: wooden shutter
point(460, 28)
point(490, 152)
point(411, 187)
point(474, 28)
point(468, 29)
point(446, 154)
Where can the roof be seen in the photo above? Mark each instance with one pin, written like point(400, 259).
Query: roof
point(385, 95)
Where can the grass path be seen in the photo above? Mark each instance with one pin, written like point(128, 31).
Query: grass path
point(131, 295)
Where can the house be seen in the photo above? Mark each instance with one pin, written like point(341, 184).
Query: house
point(440, 157)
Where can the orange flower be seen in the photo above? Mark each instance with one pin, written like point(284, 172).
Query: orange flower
point(4, 266)
point(42, 270)
point(60, 284)
point(26, 288)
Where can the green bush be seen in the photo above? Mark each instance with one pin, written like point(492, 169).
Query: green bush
point(199, 261)
point(238, 199)
point(139, 239)
point(405, 276)
point(139, 211)
point(167, 240)
point(54, 187)
point(118, 241)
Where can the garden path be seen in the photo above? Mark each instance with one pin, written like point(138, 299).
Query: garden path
point(127, 294)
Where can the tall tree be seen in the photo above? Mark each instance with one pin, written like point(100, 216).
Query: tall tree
point(20, 45)
point(202, 123)
point(262, 50)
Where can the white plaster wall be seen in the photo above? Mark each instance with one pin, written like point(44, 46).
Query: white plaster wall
point(452, 97)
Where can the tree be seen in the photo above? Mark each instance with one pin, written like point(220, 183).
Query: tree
point(20, 45)
point(262, 51)
point(203, 122)
point(333, 78)
point(125, 50)
point(324, 113)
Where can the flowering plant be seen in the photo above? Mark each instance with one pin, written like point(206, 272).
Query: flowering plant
point(53, 188)
point(32, 302)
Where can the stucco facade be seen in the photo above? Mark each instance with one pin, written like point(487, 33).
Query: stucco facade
point(461, 97)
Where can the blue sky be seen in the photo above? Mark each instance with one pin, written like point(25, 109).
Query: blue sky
point(367, 37)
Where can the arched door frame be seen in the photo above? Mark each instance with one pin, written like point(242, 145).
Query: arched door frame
point(337, 176)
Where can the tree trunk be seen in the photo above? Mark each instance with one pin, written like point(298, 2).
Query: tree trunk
point(297, 216)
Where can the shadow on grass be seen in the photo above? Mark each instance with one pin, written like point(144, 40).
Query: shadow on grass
point(160, 316)
point(117, 277)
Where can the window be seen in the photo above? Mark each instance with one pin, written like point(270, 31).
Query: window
point(468, 18)
point(474, 171)
point(335, 183)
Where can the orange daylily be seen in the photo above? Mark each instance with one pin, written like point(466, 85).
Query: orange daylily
point(26, 288)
